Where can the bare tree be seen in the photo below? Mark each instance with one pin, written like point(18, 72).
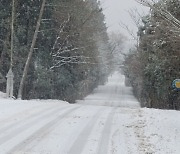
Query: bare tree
point(161, 10)
point(60, 49)
point(23, 79)
point(136, 18)
point(117, 42)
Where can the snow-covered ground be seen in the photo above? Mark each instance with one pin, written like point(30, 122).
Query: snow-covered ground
point(109, 121)
point(114, 93)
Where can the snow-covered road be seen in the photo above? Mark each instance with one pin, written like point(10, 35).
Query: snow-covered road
point(109, 121)
point(114, 93)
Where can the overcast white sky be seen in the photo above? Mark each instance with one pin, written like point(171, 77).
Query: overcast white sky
point(116, 11)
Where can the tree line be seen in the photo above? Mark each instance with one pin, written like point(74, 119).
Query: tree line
point(152, 66)
point(67, 61)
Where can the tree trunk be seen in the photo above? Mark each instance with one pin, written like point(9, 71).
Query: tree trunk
point(23, 79)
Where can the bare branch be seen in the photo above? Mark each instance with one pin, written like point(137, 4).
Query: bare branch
point(130, 31)
point(162, 11)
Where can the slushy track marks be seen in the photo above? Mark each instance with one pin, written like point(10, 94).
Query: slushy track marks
point(18, 134)
point(80, 142)
point(42, 132)
point(104, 141)
point(25, 111)
point(25, 118)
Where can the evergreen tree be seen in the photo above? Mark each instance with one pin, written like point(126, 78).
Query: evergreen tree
point(157, 58)
point(66, 61)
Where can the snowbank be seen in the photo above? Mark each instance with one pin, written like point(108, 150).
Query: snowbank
point(4, 99)
point(2, 95)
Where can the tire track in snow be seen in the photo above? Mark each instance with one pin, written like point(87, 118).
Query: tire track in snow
point(120, 133)
point(39, 135)
point(81, 141)
point(105, 136)
point(11, 117)
point(24, 119)
point(14, 131)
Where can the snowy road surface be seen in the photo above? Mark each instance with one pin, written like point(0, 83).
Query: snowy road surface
point(114, 93)
point(111, 122)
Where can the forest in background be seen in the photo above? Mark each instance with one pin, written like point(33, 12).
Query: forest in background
point(152, 66)
point(71, 56)
point(73, 53)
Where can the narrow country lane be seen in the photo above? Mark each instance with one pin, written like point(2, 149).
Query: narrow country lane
point(113, 93)
point(109, 121)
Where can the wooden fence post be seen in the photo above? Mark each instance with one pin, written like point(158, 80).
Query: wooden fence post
point(9, 85)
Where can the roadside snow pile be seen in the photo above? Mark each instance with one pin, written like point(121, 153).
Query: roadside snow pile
point(49, 100)
point(3, 99)
point(155, 131)
point(161, 129)
point(33, 101)
point(2, 95)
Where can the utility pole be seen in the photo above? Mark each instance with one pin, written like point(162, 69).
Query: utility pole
point(10, 75)
point(12, 33)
